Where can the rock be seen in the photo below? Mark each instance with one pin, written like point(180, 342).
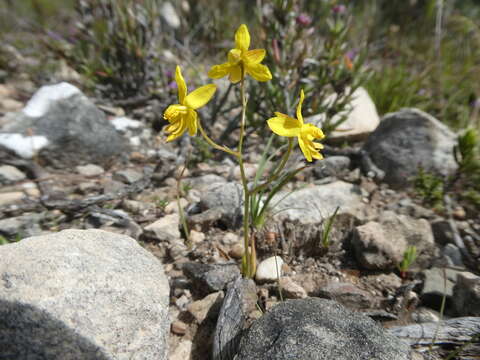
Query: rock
point(7, 105)
point(313, 204)
point(127, 176)
point(64, 127)
point(22, 226)
point(89, 170)
point(291, 290)
point(9, 198)
point(407, 140)
point(425, 315)
point(10, 174)
point(183, 351)
point(269, 269)
point(208, 307)
point(453, 256)
point(318, 329)
point(466, 294)
point(138, 207)
point(172, 207)
point(362, 118)
point(332, 166)
point(204, 182)
point(170, 15)
point(347, 294)
point(381, 245)
point(196, 237)
point(123, 123)
point(165, 229)
point(226, 197)
point(179, 327)
point(208, 278)
point(82, 294)
point(434, 286)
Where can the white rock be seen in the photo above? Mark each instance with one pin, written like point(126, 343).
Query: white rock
point(361, 121)
point(39, 104)
point(182, 351)
point(10, 197)
point(170, 15)
point(9, 174)
point(172, 207)
point(166, 228)
point(24, 146)
point(123, 123)
point(269, 269)
point(89, 170)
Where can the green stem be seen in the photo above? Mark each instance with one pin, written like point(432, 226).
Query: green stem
point(214, 144)
point(275, 175)
point(249, 261)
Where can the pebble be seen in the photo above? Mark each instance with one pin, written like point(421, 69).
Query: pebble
point(179, 327)
point(165, 229)
point(269, 269)
point(196, 236)
point(9, 198)
point(89, 170)
point(10, 174)
point(172, 206)
point(127, 176)
point(291, 289)
point(236, 251)
point(209, 307)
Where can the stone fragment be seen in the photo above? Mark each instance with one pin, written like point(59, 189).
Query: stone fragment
point(89, 170)
point(10, 174)
point(165, 229)
point(208, 307)
point(208, 278)
point(291, 290)
point(269, 269)
point(466, 294)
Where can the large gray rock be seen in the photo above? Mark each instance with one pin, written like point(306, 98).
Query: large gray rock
point(318, 329)
point(407, 140)
point(381, 245)
point(82, 294)
point(314, 204)
point(62, 127)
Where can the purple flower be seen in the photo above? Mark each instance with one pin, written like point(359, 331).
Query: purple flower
point(303, 19)
point(172, 85)
point(351, 54)
point(339, 9)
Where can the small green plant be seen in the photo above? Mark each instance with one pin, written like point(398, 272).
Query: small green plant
point(409, 257)
point(327, 229)
point(161, 203)
point(3, 240)
point(430, 188)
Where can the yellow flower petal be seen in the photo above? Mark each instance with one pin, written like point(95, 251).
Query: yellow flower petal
point(177, 129)
point(234, 56)
point(305, 150)
point(235, 74)
point(242, 38)
point(258, 71)
point(299, 106)
point(219, 71)
point(254, 56)
point(284, 125)
point(181, 85)
point(200, 96)
point(191, 118)
point(173, 112)
point(313, 131)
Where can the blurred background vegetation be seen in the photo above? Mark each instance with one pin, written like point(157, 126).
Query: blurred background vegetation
point(417, 53)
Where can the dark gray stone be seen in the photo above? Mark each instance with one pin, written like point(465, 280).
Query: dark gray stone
point(77, 131)
point(409, 139)
point(334, 166)
point(208, 278)
point(226, 197)
point(319, 329)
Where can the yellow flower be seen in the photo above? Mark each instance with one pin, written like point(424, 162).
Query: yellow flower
point(183, 116)
point(241, 56)
point(285, 125)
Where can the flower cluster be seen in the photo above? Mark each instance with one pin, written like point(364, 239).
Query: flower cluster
point(240, 62)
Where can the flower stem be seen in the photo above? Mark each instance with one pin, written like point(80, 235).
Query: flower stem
point(249, 270)
point(214, 144)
